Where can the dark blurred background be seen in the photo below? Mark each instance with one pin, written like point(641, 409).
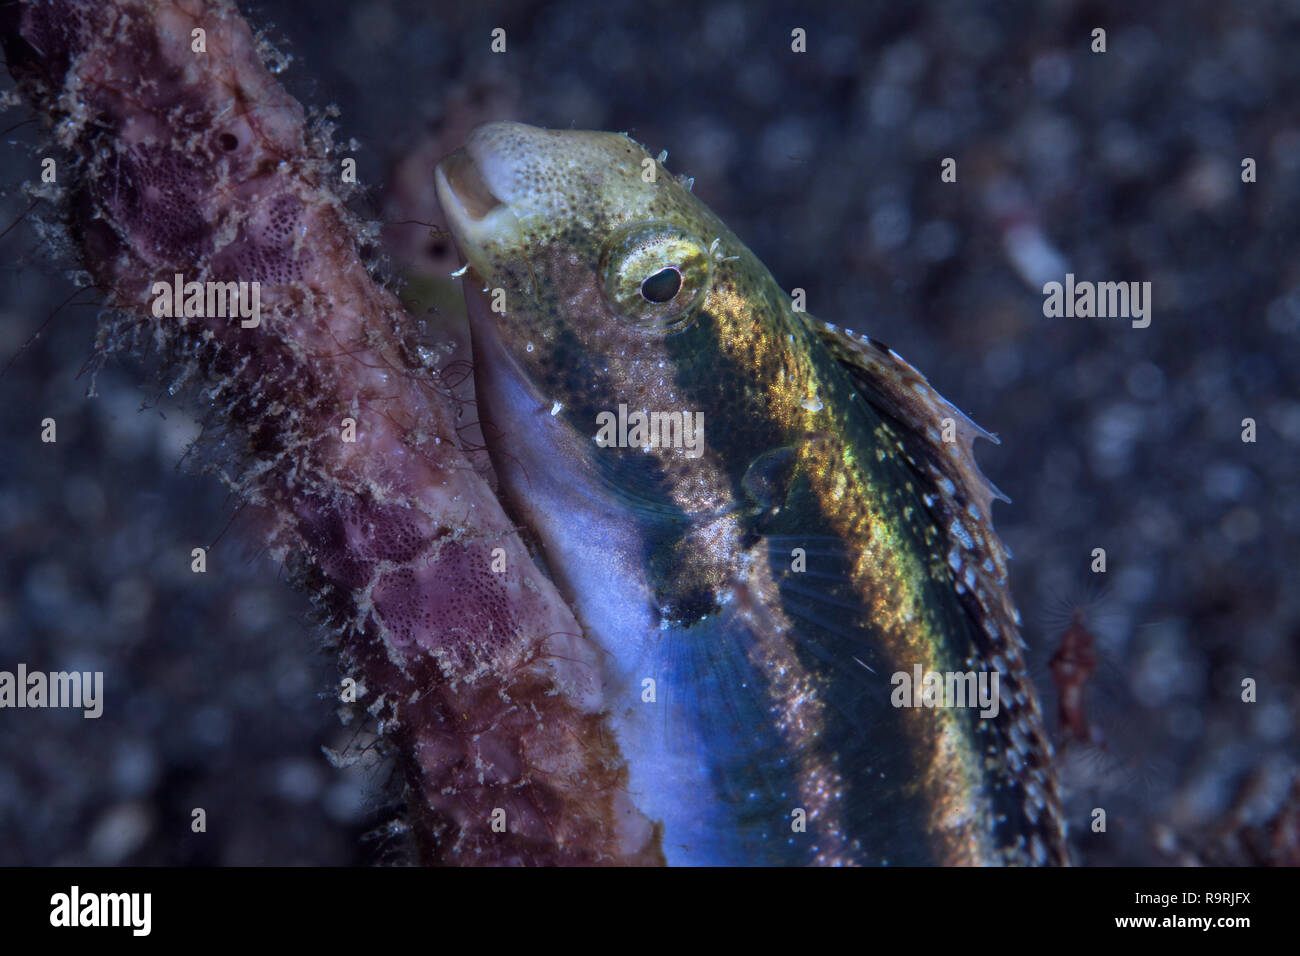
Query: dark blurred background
point(1122, 166)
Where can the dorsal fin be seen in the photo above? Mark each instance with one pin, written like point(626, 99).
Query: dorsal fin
point(958, 495)
point(902, 393)
point(960, 501)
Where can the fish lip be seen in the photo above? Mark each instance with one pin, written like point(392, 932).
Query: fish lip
point(478, 218)
point(460, 180)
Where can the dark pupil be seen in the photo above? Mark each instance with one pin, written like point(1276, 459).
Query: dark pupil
point(661, 286)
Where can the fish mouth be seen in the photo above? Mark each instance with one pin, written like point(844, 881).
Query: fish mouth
point(476, 215)
point(510, 181)
point(489, 200)
point(462, 190)
point(482, 193)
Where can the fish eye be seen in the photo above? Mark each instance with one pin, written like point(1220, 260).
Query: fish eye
point(655, 273)
point(662, 286)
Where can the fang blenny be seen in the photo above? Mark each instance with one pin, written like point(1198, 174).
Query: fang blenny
point(754, 599)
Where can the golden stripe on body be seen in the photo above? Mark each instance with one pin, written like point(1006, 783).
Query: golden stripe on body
point(889, 575)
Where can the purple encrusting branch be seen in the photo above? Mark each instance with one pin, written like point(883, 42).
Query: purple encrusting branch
point(189, 158)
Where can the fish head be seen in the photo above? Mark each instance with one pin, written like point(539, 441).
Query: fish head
point(588, 254)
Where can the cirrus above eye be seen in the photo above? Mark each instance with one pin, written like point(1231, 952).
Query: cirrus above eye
point(662, 286)
point(655, 273)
